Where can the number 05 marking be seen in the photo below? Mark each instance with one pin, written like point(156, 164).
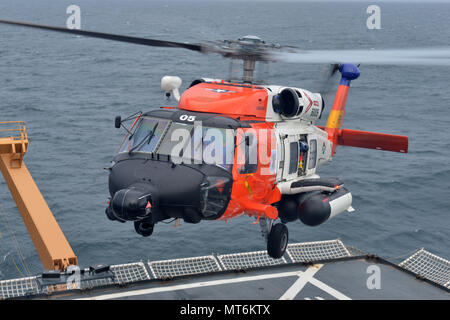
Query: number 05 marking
point(185, 117)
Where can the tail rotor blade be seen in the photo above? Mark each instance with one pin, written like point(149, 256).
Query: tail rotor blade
point(327, 79)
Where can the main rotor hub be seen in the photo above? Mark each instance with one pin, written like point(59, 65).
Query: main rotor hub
point(250, 49)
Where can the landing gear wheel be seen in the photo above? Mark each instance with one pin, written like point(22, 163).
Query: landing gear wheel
point(278, 240)
point(143, 228)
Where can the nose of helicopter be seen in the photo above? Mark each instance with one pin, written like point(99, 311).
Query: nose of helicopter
point(133, 203)
point(157, 190)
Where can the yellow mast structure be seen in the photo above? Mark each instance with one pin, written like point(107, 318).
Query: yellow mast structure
point(49, 240)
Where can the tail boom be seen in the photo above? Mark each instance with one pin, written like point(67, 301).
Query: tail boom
point(372, 140)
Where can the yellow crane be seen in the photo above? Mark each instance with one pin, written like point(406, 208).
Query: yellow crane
point(49, 240)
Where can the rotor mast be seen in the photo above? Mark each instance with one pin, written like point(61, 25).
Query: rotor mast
point(249, 49)
point(249, 69)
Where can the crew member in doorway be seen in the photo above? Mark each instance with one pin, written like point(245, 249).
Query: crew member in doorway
point(303, 150)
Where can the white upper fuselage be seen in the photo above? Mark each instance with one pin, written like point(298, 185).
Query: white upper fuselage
point(293, 130)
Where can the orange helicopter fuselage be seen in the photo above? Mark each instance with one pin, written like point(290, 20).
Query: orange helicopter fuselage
point(252, 193)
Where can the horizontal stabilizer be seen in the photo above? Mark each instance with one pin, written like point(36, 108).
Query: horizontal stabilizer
point(372, 140)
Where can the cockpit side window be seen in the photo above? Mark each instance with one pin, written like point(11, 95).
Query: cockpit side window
point(217, 147)
point(199, 145)
point(249, 149)
point(174, 137)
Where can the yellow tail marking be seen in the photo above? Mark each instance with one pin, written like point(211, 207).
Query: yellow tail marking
point(335, 119)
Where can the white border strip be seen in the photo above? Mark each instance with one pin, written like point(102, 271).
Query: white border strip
point(319, 284)
point(447, 285)
point(302, 280)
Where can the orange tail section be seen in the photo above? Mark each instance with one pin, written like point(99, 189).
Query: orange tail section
point(357, 138)
point(336, 116)
point(349, 72)
point(372, 140)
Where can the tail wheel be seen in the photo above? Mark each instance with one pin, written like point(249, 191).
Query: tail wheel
point(143, 228)
point(277, 241)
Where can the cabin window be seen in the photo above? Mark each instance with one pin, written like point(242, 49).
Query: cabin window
point(312, 154)
point(293, 162)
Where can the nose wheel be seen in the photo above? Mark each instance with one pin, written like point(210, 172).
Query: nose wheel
point(276, 236)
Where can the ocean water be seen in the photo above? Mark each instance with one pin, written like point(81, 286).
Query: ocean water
point(69, 89)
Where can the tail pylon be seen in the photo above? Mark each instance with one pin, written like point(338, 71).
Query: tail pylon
point(357, 138)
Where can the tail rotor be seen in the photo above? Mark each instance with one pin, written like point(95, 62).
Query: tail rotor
point(356, 138)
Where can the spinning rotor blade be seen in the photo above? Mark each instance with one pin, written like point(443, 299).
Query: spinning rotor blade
point(109, 36)
point(228, 49)
point(327, 78)
point(428, 56)
point(250, 50)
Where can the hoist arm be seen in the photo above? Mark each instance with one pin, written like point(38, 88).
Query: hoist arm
point(51, 244)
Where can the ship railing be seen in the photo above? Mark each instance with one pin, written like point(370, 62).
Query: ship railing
point(13, 140)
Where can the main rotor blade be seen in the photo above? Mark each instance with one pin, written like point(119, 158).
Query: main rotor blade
point(109, 36)
point(422, 56)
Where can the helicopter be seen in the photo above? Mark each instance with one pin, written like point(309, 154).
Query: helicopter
point(234, 147)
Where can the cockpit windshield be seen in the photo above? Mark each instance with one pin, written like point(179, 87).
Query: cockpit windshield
point(186, 143)
point(146, 137)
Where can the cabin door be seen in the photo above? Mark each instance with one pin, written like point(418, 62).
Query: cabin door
point(291, 156)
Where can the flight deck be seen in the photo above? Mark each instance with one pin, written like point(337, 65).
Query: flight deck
point(322, 270)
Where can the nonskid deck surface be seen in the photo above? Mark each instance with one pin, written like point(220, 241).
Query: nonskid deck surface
point(320, 270)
